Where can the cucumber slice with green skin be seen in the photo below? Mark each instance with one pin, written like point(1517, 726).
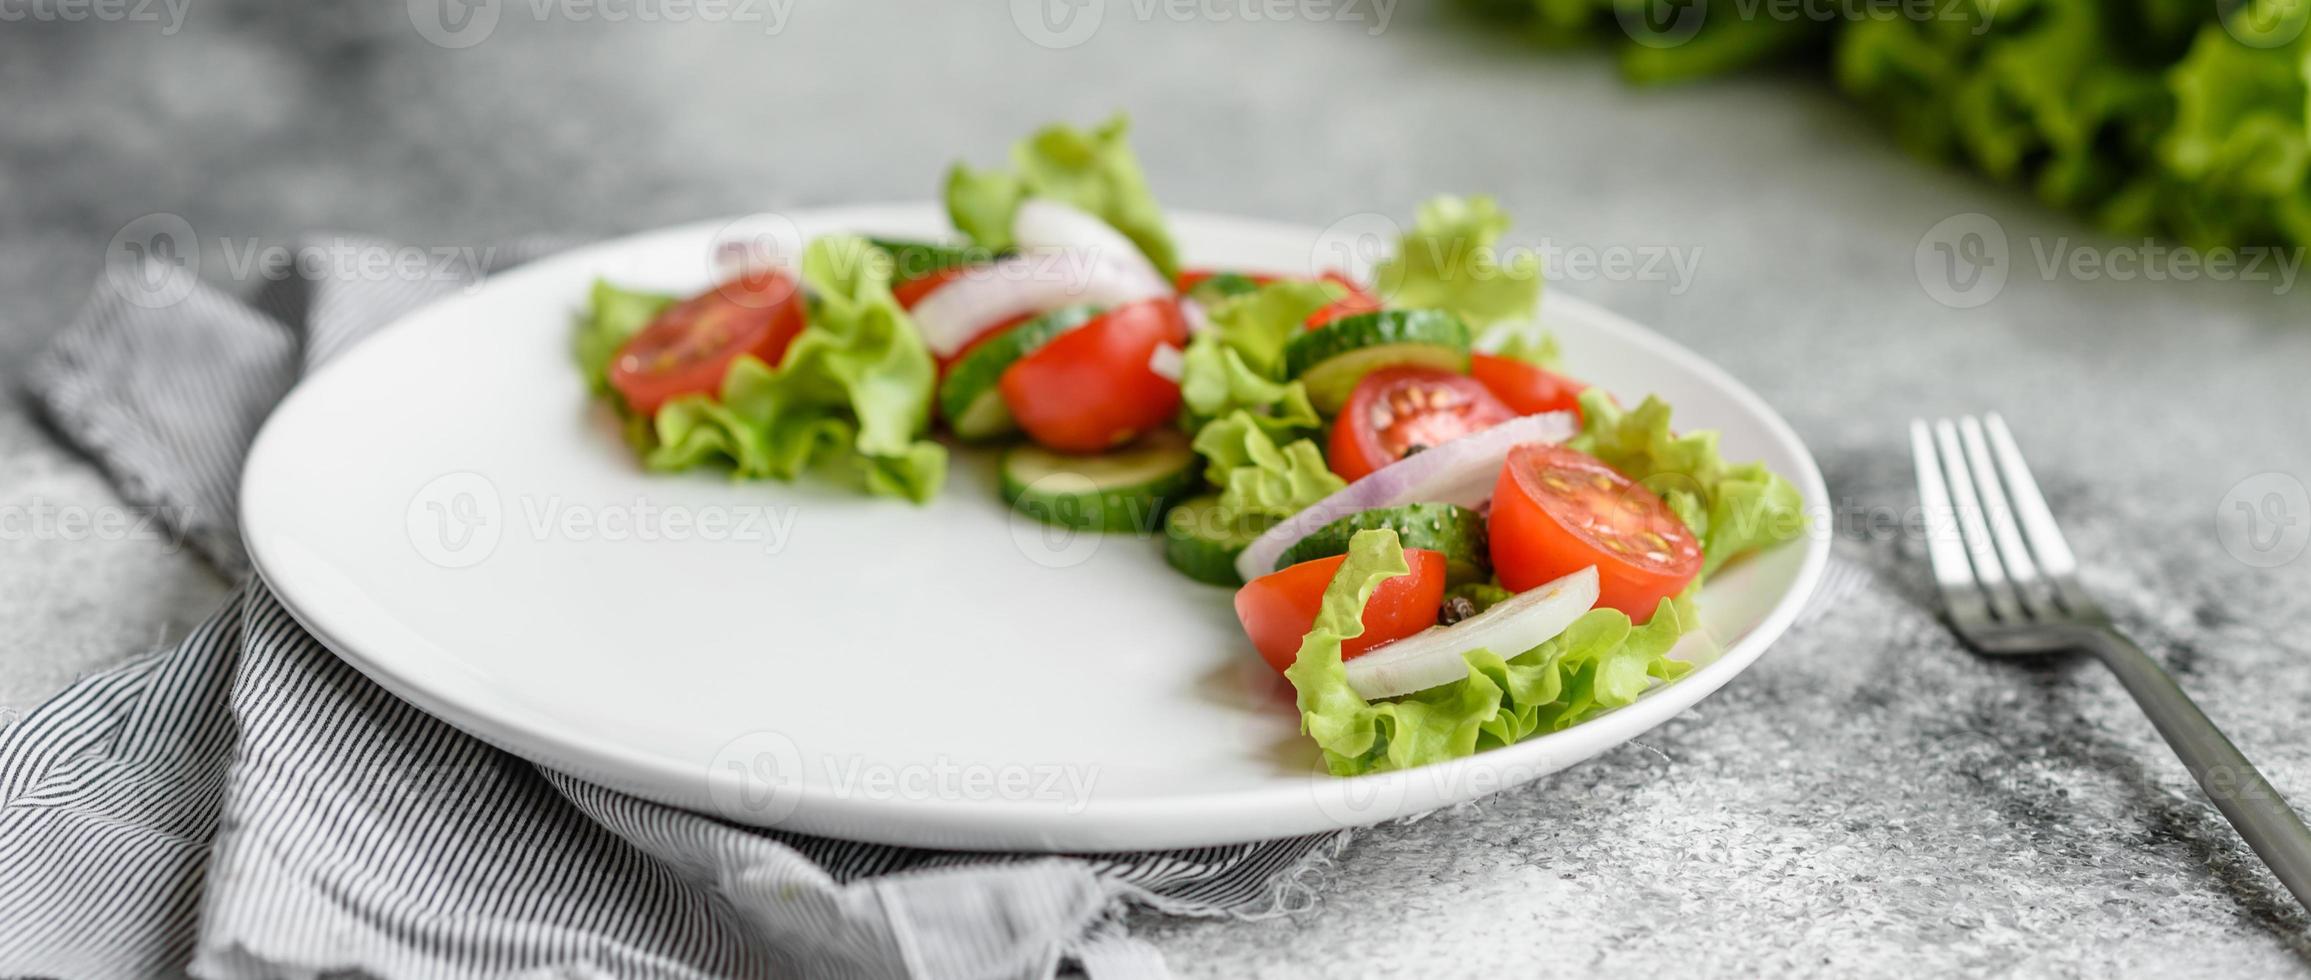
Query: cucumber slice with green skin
point(1126, 489)
point(914, 260)
point(1332, 358)
point(1222, 285)
point(1201, 545)
point(1456, 531)
point(969, 399)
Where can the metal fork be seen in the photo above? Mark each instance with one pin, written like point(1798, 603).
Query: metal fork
point(2011, 585)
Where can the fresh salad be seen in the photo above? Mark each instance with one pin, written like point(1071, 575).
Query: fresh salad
point(1439, 536)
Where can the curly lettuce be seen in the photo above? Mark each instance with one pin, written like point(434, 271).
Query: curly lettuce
point(1260, 481)
point(2179, 118)
point(1601, 662)
point(612, 315)
point(1093, 170)
point(1257, 324)
point(1452, 260)
point(1216, 382)
point(855, 384)
point(1252, 427)
point(1732, 509)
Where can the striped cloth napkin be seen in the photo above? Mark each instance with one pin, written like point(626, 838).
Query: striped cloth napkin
point(246, 805)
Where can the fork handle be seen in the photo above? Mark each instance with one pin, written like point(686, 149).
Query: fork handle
point(2245, 797)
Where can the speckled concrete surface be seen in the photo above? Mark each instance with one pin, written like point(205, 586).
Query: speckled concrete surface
point(1868, 798)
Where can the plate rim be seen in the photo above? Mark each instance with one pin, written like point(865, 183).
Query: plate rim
point(1155, 822)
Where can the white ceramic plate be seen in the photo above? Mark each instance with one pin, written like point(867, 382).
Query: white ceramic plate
point(448, 511)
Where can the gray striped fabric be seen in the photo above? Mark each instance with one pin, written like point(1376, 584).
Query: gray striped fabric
point(246, 805)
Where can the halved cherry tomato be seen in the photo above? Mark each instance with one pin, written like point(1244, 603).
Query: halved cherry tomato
point(1278, 608)
point(1355, 301)
point(1090, 389)
point(687, 348)
point(1397, 411)
point(1191, 278)
point(1525, 387)
point(911, 291)
point(1556, 511)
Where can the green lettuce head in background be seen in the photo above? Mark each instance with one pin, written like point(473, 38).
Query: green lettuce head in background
point(2184, 118)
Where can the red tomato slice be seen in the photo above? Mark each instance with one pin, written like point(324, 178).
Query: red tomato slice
point(912, 291)
point(1277, 609)
point(1399, 410)
point(687, 348)
point(1090, 389)
point(1191, 278)
point(1355, 301)
point(1527, 388)
point(1556, 511)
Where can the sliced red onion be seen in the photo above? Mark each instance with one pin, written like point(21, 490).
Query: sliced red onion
point(1168, 362)
point(1041, 223)
point(1023, 284)
point(1512, 626)
point(1462, 472)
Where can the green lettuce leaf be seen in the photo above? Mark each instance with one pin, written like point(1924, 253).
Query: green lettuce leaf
point(1534, 347)
point(856, 384)
point(1215, 382)
point(1258, 324)
point(2238, 152)
point(1094, 171)
point(1450, 260)
point(1732, 509)
point(1261, 482)
point(612, 315)
point(1599, 663)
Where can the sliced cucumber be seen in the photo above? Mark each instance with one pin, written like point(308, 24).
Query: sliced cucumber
point(1456, 531)
point(1202, 545)
point(968, 398)
point(1125, 489)
point(1333, 357)
point(914, 260)
point(1222, 285)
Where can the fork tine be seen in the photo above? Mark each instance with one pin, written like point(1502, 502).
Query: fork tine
point(1980, 550)
point(1943, 545)
point(2020, 569)
point(2038, 527)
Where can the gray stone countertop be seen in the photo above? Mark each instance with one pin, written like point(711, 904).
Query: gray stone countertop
point(1869, 798)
